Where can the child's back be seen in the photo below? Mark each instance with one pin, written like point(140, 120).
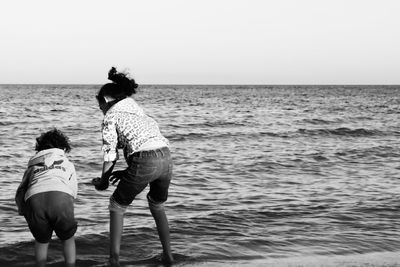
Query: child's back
point(46, 196)
point(50, 170)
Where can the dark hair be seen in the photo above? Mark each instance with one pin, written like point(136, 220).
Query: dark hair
point(121, 87)
point(52, 139)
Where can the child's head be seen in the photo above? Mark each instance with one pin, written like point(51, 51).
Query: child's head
point(53, 139)
point(122, 86)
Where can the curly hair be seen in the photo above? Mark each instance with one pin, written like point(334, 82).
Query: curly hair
point(53, 139)
point(121, 87)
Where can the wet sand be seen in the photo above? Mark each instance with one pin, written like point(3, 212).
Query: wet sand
point(383, 259)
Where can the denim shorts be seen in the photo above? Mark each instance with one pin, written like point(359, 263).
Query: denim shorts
point(152, 167)
point(51, 211)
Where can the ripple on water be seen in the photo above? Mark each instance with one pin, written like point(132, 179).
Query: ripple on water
point(260, 172)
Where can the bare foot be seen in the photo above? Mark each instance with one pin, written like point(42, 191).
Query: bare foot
point(114, 262)
point(167, 258)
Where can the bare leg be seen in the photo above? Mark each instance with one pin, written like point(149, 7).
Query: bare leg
point(116, 227)
point(163, 230)
point(69, 252)
point(41, 253)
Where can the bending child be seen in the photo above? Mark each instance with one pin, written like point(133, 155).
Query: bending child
point(46, 196)
point(146, 152)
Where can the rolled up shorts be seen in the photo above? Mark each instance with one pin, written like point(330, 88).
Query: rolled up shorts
point(51, 211)
point(152, 167)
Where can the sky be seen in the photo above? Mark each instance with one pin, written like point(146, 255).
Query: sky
point(201, 41)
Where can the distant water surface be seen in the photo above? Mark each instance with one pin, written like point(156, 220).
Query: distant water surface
point(263, 174)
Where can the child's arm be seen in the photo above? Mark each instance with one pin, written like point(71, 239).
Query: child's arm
point(110, 144)
point(103, 182)
point(20, 194)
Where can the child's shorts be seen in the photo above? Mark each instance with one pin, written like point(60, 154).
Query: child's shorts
point(152, 167)
point(51, 211)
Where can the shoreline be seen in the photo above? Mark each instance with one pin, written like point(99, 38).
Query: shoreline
point(374, 259)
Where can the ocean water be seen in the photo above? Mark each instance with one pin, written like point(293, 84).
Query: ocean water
point(263, 175)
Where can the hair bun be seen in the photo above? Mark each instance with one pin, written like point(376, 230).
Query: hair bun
point(127, 84)
point(116, 76)
point(112, 73)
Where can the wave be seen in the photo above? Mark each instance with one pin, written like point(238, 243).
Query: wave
point(344, 131)
point(182, 137)
point(147, 254)
point(377, 151)
point(58, 110)
point(208, 124)
point(318, 121)
point(7, 123)
point(228, 135)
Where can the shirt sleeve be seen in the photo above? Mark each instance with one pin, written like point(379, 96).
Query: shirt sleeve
point(110, 139)
point(73, 181)
point(20, 194)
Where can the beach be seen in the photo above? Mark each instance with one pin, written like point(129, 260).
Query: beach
point(263, 175)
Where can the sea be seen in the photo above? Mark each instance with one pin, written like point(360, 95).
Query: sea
point(264, 175)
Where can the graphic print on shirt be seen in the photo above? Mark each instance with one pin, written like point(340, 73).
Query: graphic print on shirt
point(56, 165)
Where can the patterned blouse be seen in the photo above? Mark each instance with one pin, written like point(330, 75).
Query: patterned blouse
point(126, 126)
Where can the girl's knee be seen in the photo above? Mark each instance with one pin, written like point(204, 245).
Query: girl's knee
point(114, 206)
point(155, 205)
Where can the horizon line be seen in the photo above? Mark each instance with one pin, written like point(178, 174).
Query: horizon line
point(222, 84)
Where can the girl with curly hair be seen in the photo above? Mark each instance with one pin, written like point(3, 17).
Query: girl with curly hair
point(46, 196)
